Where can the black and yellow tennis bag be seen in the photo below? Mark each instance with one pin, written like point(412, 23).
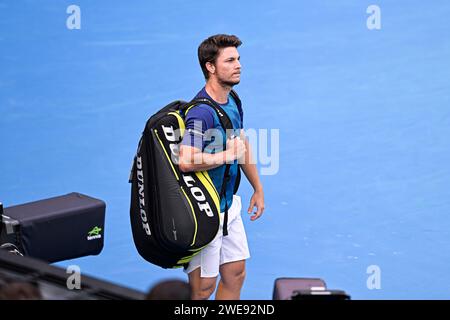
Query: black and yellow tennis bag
point(173, 214)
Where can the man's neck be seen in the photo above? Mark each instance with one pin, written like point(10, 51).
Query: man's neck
point(217, 91)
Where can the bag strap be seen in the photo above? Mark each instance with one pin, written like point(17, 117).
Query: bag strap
point(239, 105)
point(226, 123)
point(222, 115)
point(237, 99)
point(223, 192)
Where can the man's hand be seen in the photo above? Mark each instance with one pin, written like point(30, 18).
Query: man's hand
point(257, 201)
point(235, 149)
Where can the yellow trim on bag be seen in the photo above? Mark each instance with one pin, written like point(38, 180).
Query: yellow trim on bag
point(211, 189)
point(193, 214)
point(168, 158)
point(180, 123)
point(206, 174)
point(187, 110)
point(188, 258)
point(184, 260)
point(196, 251)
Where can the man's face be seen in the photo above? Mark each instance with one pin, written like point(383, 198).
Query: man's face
point(228, 67)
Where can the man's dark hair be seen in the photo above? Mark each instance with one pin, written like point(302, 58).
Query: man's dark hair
point(209, 49)
point(170, 290)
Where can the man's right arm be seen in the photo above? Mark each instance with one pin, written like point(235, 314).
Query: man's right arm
point(193, 159)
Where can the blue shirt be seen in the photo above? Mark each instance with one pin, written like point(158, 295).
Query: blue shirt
point(204, 131)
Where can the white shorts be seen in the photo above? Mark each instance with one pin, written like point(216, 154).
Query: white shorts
point(233, 247)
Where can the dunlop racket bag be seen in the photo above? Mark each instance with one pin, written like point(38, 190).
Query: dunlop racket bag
point(173, 214)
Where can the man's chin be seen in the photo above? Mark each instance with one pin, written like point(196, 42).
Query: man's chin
point(231, 83)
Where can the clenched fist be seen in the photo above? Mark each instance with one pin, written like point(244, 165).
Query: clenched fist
point(235, 149)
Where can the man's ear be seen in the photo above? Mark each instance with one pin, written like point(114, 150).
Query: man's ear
point(210, 67)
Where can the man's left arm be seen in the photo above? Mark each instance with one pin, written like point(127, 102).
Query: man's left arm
point(251, 172)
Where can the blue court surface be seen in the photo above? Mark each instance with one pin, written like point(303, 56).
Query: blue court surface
point(363, 118)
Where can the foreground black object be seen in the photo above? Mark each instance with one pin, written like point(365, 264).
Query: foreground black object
point(320, 295)
point(305, 289)
point(55, 229)
point(52, 281)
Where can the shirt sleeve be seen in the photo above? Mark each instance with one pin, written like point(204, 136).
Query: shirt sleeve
point(198, 120)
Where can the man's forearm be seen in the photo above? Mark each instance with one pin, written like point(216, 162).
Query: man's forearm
point(250, 169)
point(191, 160)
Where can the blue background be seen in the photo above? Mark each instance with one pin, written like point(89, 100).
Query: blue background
point(364, 120)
